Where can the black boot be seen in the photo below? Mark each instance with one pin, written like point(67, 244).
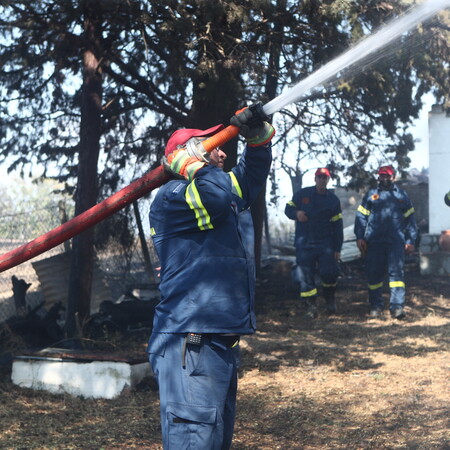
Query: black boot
point(328, 294)
point(311, 308)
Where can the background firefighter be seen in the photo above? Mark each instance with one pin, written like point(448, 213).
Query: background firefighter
point(385, 227)
point(318, 240)
point(207, 282)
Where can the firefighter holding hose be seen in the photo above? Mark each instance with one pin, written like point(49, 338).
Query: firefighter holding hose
point(385, 228)
point(207, 280)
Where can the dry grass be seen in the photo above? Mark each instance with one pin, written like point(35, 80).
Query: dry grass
point(347, 382)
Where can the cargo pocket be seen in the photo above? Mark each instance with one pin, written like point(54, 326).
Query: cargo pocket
point(193, 426)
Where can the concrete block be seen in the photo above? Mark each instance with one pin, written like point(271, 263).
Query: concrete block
point(426, 239)
point(429, 243)
point(435, 263)
point(87, 379)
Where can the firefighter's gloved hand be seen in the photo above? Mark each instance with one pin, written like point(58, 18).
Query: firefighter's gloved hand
point(253, 125)
point(244, 120)
point(181, 164)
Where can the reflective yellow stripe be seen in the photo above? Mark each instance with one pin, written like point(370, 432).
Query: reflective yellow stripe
point(195, 203)
point(372, 287)
point(409, 212)
point(178, 161)
point(235, 188)
point(363, 210)
point(328, 285)
point(291, 203)
point(336, 217)
point(192, 168)
point(152, 231)
point(185, 165)
point(448, 195)
point(309, 293)
point(393, 284)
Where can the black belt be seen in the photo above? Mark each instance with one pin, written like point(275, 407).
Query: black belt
point(198, 339)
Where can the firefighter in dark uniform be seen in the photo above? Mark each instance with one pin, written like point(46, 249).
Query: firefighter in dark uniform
point(385, 228)
point(318, 240)
point(207, 281)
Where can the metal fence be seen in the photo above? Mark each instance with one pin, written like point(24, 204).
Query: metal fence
point(121, 266)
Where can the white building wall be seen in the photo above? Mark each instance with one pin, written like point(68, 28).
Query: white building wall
point(439, 170)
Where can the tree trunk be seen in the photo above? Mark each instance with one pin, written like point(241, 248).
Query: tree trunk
point(267, 232)
point(216, 104)
point(258, 212)
point(82, 257)
point(217, 86)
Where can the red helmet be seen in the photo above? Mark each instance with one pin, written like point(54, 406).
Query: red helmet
point(323, 171)
point(386, 170)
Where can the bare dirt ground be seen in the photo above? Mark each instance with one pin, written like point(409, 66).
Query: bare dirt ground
point(346, 382)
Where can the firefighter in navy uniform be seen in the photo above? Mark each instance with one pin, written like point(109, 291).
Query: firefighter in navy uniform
point(318, 240)
point(385, 228)
point(207, 282)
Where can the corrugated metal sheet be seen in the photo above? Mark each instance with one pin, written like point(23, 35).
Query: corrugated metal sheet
point(53, 275)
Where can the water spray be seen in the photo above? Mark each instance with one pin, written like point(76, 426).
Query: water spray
point(372, 43)
point(158, 176)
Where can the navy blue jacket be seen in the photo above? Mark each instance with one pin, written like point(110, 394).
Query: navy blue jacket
point(324, 225)
point(386, 216)
point(207, 265)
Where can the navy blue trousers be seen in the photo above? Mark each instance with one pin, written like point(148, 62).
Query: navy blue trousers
point(308, 260)
point(382, 257)
point(197, 401)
